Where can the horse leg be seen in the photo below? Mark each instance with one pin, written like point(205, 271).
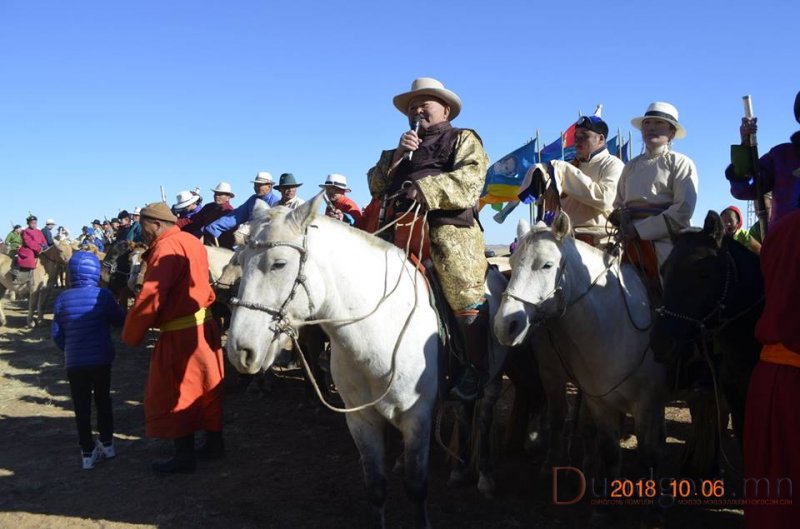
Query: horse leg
point(483, 437)
point(555, 390)
point(33, 300)
point(460, 443)
point(367, 429)
point(607, 421)
point(2, 314)
point(651, 436)
point(416, 443)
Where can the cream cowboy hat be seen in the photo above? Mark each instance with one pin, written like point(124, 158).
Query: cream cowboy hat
point(185, 199)
point(431, 87)
point(263, 177)
point(224, 187)
point(665, 112)
point(336, 180)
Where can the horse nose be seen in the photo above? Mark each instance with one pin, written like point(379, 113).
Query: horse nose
point(510, 328)
point(247, 357)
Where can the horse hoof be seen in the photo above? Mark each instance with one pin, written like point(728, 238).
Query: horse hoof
point(487, 486)
point(457, 478)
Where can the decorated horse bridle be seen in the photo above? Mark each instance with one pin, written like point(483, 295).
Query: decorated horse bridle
point(280, 322)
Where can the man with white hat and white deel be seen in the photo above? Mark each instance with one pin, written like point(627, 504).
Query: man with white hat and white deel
point(657, 185)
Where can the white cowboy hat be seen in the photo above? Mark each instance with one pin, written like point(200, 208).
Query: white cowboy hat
point(431, 87)
point(662, 111)
point(336, 180)
point(263, 177)
point(185, 199)
point(136, 210)
point(49, 221)
point(224, 187)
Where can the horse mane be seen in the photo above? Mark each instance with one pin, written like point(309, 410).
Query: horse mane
point(278, 213)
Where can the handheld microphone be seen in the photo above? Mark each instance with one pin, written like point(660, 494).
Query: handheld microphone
point(417, 120)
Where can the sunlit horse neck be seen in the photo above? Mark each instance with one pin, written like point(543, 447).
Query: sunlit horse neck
point(383, 332)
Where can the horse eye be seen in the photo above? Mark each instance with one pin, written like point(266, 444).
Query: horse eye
point(547, 266)
point(278, 265)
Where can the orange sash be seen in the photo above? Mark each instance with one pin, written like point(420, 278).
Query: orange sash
point(777, 353)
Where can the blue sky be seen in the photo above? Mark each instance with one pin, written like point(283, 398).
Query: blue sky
point(101, 103)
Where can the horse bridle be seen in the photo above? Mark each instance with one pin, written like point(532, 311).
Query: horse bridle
point(281, 323)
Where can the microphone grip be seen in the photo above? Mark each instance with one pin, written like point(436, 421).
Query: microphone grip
point(407, 156)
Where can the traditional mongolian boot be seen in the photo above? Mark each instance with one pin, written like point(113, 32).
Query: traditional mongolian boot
point(213, 448)
point(474, 327)
point(183, 462)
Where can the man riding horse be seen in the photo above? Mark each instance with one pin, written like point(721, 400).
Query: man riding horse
point(443, 169)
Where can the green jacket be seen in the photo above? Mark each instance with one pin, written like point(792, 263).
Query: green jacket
point(13, 242)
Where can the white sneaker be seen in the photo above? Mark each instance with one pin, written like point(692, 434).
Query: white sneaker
point(91, 460)
point(108, 452)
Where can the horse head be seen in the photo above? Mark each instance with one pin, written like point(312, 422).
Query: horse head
point(137, 266)
point(536, 290)
point(275, 287)
point(698, 278)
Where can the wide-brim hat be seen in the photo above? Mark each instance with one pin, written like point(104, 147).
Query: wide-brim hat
point(185, 199)
point(287, 180)
point(158, 211)
point(431, 87)
point(263, 177)
point(136, 211)
point(225, 187)
point(49, 221)
point(662, 111)
point(336, 180)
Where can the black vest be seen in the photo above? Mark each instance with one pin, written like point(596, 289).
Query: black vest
point(435, 155)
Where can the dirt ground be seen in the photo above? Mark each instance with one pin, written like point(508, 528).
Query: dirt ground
point(290, 464)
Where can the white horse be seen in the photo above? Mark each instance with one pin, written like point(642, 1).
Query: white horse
point(295, 269)
point(375, 308)
point(589, 317)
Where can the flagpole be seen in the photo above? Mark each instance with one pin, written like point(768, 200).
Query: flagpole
point(619, 144)
point(630, 146)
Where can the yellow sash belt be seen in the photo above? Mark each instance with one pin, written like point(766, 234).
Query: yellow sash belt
point(779, 354)
point(186, 322)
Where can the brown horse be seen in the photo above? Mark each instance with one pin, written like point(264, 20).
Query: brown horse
point(40, 283)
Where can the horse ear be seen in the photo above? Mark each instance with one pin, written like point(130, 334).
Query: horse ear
point(523, 227)
point(713, 227)
point(561, 226)
point(260, 209)
point(305, 214)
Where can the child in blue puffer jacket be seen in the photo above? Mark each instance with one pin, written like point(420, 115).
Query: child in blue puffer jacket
point(82, 317)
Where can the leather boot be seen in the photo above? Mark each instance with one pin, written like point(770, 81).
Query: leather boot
point(474, 327)
point(183, 462)
point(213, 448)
